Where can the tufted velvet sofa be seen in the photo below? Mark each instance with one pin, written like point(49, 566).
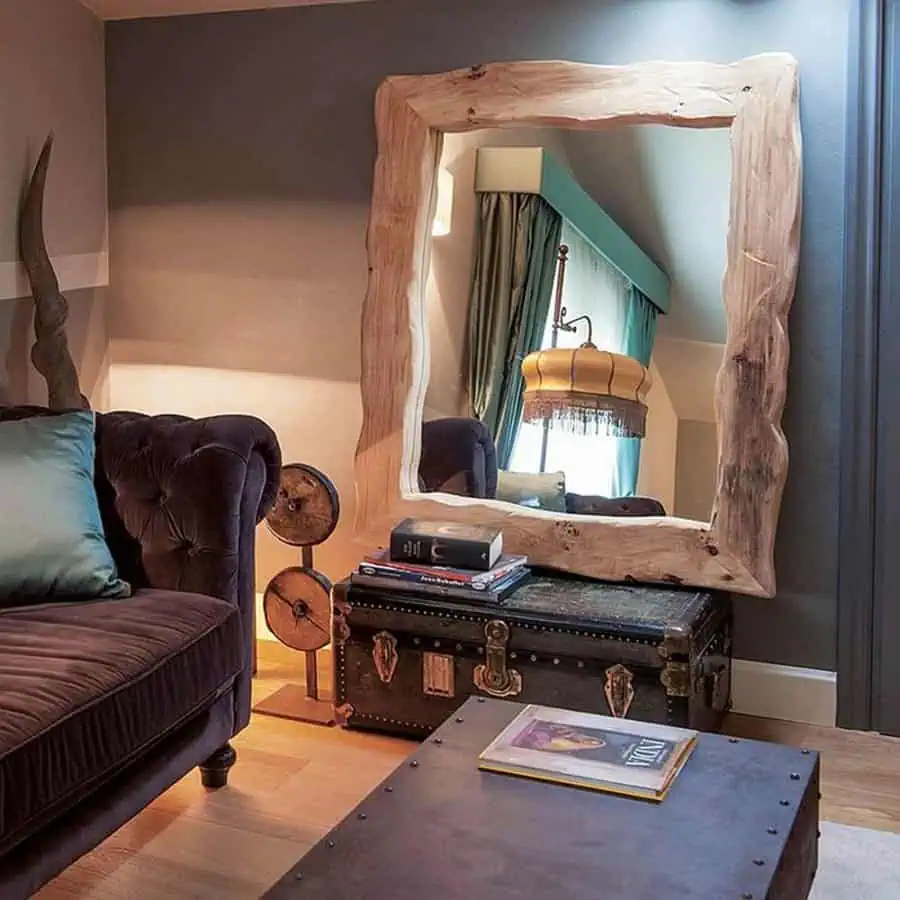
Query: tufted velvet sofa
point(105, 704)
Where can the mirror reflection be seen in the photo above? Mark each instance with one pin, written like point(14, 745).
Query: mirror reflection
point(576, 321)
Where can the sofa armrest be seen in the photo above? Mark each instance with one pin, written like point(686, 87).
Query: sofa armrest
point(181, 499)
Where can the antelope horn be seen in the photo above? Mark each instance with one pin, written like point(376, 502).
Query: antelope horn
point(50, 353)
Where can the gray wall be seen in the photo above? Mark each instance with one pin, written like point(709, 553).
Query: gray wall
point(241, 150)
point(695, 469)
point(52, 78)
point(88, 345)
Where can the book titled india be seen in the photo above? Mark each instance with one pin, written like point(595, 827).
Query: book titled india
point(446, 544)
point(619, 756)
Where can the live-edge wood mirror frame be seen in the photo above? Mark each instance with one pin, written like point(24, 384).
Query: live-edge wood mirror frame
point(757, 98)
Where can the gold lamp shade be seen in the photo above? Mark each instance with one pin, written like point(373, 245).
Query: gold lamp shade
point(586, 390)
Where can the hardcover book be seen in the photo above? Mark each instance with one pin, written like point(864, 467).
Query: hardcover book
point(381, 564)
point(446, 544)
point(619, 756)
point(492, 593)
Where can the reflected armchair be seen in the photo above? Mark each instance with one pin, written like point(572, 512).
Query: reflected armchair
point(458, 457)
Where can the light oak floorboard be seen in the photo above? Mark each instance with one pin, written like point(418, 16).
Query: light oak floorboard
point(293, 782)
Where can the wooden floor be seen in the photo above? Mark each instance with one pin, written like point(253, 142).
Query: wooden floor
point(293, 782)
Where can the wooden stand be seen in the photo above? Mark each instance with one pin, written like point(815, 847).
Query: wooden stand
point(302, 595)
point(300, 704)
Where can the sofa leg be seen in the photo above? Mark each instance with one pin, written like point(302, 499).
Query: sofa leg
point(214, 772)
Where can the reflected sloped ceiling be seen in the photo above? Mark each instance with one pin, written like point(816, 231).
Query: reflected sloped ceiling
point(669, 189)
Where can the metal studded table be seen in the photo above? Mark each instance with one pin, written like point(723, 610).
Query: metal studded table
point(741, 821)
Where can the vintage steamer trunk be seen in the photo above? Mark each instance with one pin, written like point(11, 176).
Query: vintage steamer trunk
point(405, 662)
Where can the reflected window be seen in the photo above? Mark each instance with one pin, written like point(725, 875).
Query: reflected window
point(595, 288)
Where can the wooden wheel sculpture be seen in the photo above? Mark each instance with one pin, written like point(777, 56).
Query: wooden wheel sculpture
point(297, 601)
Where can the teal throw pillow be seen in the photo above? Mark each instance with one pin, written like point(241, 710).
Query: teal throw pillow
point(52, 544)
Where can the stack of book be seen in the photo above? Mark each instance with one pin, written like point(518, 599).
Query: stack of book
point(458, 562)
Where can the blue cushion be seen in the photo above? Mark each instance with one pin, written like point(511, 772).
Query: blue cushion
point(52, 544)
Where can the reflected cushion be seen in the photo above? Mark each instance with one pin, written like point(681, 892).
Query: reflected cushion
point(52, 544)
point(592, 505)
point(539, 490)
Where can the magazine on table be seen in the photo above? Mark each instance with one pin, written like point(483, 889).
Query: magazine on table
point(620, 756)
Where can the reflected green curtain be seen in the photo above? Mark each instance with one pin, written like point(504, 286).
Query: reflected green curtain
point(640, 332)
point(517, 246)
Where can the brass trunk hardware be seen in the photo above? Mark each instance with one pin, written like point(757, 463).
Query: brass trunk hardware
point(342, 713)
point(715, 671)
point(493, 676)
point(384, 653)
point(619, 690)
point(340, 612)
point(677, 679)
point(438, 675)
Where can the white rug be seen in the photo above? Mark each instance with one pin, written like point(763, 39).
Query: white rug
point(857, 864)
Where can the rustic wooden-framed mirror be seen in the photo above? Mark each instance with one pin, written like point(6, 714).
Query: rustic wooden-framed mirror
point(754, 102)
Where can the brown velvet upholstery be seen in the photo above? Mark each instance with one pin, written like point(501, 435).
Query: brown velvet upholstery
point(86, 687)
point(104, 704)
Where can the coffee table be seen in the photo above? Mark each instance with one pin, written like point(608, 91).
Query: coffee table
point(741, 821)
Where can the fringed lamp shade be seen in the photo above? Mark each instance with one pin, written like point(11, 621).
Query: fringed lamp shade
point(586, 390)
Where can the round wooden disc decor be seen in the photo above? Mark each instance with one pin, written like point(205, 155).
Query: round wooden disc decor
point(306, 509)
point(297, 607)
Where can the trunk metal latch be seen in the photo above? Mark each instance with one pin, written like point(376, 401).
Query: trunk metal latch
point(494, 677)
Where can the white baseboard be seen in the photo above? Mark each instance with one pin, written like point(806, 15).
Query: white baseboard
point(84, 270)
point(771, 691)
point(808, 696)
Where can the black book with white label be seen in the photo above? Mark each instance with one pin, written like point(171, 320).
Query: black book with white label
point(446, 544)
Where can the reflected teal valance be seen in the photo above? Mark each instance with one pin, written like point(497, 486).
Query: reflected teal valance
point(534, 170)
